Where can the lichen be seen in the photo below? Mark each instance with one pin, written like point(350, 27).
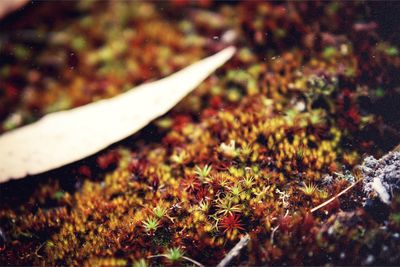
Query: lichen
point(382, 177)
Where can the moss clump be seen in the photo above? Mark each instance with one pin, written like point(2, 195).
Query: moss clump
point(274, 133)
point(99, 54)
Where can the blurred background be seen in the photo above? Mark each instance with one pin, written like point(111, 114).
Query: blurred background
point(59, 55)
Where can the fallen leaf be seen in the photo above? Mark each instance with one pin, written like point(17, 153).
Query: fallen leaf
point(64, 137)
point(9, 6)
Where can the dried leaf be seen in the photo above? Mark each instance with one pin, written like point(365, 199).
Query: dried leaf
point(64, 137)
point(9, 6)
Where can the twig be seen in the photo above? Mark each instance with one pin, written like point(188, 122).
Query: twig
point(234, 251)
point(193, 261)
point(271, 239)
point(183, 257)
point(335, 197)
point(397, 148)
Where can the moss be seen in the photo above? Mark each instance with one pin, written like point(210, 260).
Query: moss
point(252, 150)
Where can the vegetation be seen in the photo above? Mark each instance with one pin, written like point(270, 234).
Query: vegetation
point(274, 133)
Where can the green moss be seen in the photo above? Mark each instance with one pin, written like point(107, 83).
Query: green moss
point(248, 152)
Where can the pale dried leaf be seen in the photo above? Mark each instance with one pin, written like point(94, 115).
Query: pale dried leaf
point(64, 137)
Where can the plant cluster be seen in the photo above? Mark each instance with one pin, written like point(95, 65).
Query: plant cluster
point(272, 134)
point(58, 65)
